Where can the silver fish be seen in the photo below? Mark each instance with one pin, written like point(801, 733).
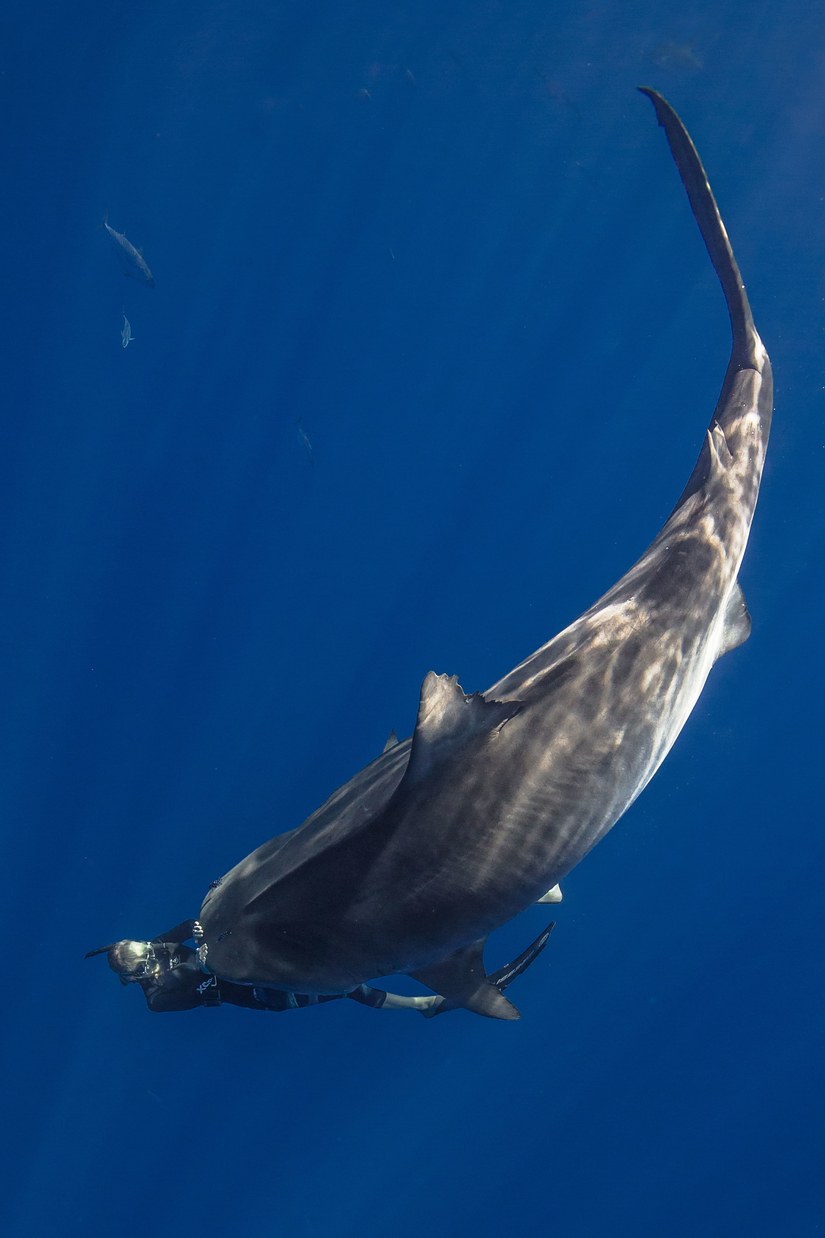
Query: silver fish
point(126, 336)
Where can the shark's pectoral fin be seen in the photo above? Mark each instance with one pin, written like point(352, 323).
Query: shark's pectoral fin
point(447, 718)
point(462, 982)
point(736, 626)
point(553, 895)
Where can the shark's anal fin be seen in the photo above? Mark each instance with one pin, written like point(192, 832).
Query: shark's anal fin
point(447, 719)
point(737, 622)
point(462, 981)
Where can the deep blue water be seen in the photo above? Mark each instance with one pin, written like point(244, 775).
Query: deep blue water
point(448, 244)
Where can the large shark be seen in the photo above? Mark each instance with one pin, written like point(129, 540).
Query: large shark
point(131, 259)
point(409, 866)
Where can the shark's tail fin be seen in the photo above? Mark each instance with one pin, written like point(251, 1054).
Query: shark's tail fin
point(747, 388)
point(747, 348)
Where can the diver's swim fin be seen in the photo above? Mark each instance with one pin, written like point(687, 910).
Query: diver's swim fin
point(464, 984)
point(511, 971)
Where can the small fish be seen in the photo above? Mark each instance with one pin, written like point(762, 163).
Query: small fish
point(126, 336)
point(132, 260)
point(304, 437)
point(677, 56)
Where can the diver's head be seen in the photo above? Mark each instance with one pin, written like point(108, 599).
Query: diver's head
point(133, 960)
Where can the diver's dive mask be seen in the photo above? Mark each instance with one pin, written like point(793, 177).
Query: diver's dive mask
point(134, 961)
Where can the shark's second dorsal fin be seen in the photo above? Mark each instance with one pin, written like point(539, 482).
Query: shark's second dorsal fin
point(462, 982)
point(737, 622)
point(392, 741)
point(447, 719)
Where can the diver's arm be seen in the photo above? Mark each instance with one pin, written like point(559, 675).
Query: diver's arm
point(181, 932)
point(161, 1000)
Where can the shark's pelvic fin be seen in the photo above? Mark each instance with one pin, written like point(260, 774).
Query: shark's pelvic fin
point(737, 622)
point(462, 981)
point(553, 895)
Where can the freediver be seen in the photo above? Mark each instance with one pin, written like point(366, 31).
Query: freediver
point(173, 976)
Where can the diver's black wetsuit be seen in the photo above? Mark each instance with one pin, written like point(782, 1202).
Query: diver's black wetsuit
point(179, 983)
point(172, 977)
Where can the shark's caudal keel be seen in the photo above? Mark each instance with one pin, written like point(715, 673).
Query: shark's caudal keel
point(497, 796)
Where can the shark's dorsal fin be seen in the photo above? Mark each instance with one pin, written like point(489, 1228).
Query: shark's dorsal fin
point(447, 718)
point(737, 623)
point(462, 982)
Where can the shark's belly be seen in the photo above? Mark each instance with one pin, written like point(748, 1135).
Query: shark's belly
point(504, 820)
point(509, 822)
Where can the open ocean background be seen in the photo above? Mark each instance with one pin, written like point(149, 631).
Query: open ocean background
point(447, 244)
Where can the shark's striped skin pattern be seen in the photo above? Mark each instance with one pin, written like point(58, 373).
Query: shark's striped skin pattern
point(496, 797)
